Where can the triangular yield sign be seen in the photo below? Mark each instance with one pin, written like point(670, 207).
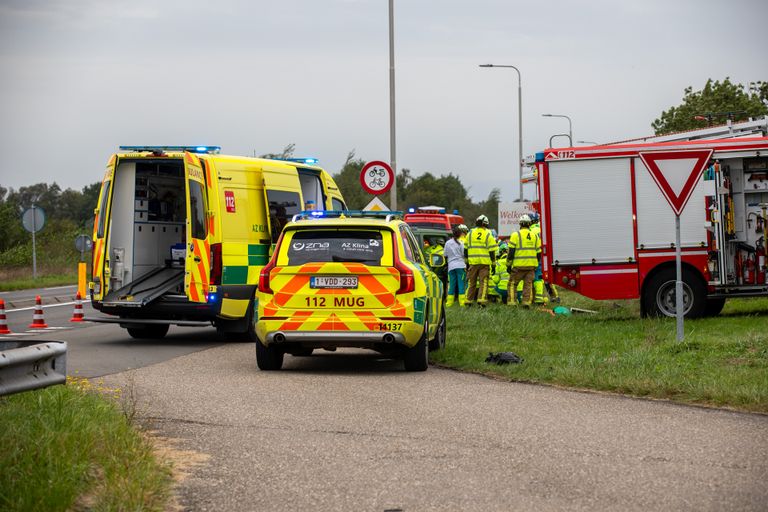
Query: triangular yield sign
point(676, 173)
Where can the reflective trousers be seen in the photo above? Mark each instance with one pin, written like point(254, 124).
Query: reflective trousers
point(525, 275)
point(478, 283)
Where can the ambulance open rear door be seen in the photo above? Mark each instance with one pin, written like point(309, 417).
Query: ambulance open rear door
point(197, 265)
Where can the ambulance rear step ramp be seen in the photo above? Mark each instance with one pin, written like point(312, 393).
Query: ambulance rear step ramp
point(145, 289)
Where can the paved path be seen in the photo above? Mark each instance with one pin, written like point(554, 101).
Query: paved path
point(346, 431)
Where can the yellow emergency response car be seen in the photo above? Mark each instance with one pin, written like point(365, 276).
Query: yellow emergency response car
point(349, 279)
point(181, 233)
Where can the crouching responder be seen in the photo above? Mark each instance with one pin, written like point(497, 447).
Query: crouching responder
point(480, 250)
point(457, 273)
point(551, 289)
point(524, 253)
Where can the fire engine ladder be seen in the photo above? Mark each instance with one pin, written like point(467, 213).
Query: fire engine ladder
point(146, 288)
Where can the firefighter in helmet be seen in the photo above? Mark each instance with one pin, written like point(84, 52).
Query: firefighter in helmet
point(480, 251)
point(524, 256)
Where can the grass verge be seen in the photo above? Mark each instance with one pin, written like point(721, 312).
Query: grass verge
point(722, 362)
point(73, 448)
point(41, 282)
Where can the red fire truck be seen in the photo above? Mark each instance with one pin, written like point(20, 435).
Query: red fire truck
point(608, 233)
point(433, 217)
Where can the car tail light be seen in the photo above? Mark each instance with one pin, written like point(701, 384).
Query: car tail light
point(216, 264)
point(407, 282)
point(264, 277)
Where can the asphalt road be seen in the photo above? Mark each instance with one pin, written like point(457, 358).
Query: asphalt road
point(93, 349)
point(350, 431)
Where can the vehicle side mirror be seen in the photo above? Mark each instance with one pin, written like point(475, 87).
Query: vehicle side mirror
point(436, 260)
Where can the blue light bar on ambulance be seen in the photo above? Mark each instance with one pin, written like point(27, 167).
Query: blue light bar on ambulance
point(308, 161)
point(161, 149)
point(540, 156)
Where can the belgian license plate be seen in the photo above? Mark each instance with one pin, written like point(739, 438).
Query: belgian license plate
point(333, 282)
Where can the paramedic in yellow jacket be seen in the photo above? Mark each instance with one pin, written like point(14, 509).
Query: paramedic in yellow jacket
point(524, 253)
point(480, 250)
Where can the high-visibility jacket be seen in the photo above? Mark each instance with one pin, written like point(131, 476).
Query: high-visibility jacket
point(501, 276)
point(479, 244)
point(527, 245)
point(536, 228)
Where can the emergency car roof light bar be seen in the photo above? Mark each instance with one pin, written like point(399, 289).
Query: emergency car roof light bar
point(308, 161)
point(340, 214)
point(211, 150)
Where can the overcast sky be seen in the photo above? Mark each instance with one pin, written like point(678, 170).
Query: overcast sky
point(80, 77)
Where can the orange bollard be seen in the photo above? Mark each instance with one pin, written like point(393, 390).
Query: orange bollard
point(38, 322)
point(77, 315)
point(3, 322)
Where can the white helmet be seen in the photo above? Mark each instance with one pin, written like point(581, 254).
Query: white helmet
point(482, 221)
point(525, 220)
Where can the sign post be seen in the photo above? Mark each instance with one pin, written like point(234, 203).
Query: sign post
point(33, 220)
point(677, 173)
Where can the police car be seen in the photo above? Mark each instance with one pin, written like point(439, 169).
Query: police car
point(349, 279)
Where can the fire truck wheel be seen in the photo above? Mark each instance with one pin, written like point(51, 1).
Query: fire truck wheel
point(659, 294)
point(148, 331)
point(714, 307)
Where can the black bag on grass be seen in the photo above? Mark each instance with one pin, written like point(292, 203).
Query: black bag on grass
point(503, 358)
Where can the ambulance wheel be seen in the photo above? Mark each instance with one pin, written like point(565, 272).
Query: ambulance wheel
point(438, 342)
point(268, 358)
point(416, 358)
point(659, 294)
point(714, 307)
point(148, 331)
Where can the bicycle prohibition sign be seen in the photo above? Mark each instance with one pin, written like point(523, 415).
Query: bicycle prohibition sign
point(376, 177)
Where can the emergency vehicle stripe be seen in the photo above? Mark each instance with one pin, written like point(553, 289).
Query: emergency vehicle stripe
point(384, 296)
point(333, 324)
point(296, 321)
point(97, 258)
point(191, 159)
point(368, 318)
point(292, 287)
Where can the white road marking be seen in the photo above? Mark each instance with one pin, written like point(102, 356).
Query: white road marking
point(30, 308)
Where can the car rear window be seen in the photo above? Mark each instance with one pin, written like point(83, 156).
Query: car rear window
point(324, 246)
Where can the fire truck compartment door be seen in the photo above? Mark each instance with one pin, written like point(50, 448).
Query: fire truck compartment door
point(656, 220)
point(591, 211)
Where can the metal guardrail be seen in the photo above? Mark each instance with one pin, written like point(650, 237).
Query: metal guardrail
point(31, 365)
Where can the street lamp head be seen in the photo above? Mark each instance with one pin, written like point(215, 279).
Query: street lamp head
point(486, 65)
point(546, 115)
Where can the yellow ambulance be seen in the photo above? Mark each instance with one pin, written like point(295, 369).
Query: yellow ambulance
point(181, 233)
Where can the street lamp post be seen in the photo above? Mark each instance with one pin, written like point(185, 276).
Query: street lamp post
point(570, 125)
point(519, 121)
point(392, 146)
point(557, 135)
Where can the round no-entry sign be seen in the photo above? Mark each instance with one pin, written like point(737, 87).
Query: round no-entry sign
point(376, 177)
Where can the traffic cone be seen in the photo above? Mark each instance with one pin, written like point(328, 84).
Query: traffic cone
point(77, 315)
point(3, 322)
point(38, 322)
